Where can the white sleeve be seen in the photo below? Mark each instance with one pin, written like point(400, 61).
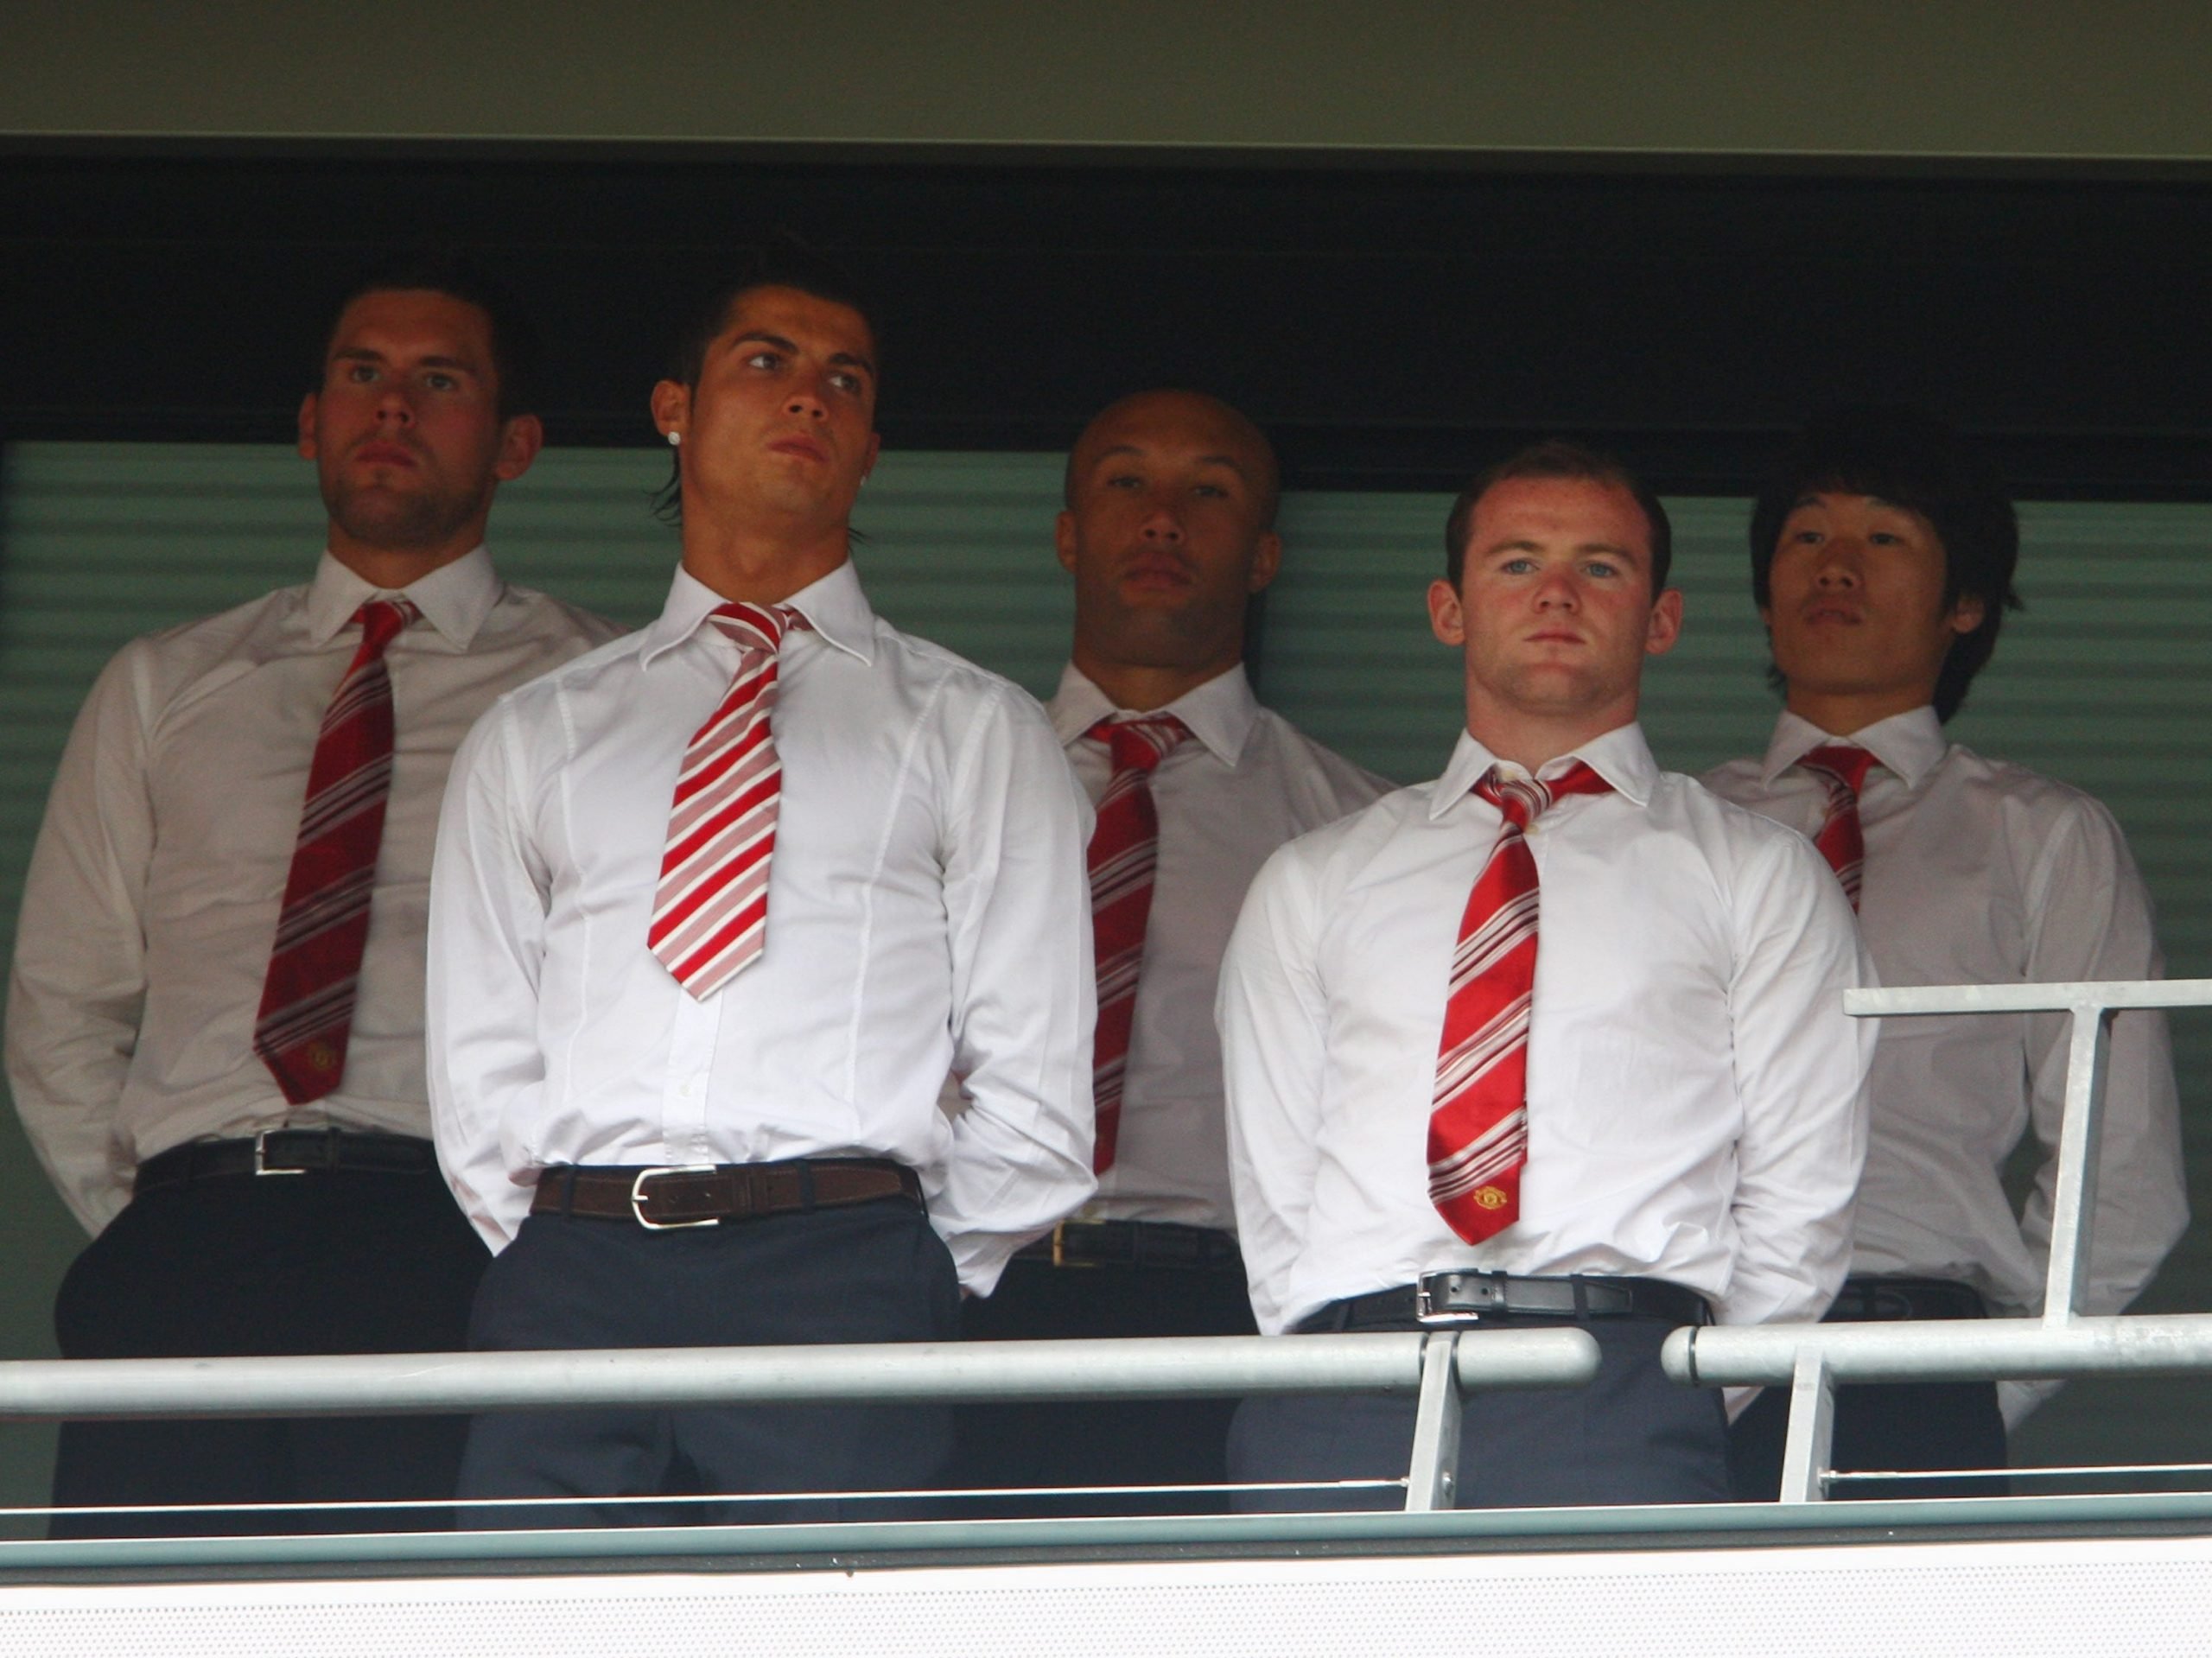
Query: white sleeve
point(1273, 1017)
point(1024, 995)
point(2090, 919)
point(489, 894)
point(1801, 1074)
point(80, 983)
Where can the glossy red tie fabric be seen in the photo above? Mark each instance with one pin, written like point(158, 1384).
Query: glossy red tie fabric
point(1842, 771)
point(1479, 1121)
point(314, 966)
point(1124, 852)
point(710, 910)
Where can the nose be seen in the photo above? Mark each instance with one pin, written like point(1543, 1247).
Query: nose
point(1163, 526)
point(807, 402)
point(1838, 569)
point(1557, 590)
point(396, 404)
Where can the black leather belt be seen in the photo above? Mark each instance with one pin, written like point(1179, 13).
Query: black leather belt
point(1452, 1299)
point(663, 1197)
point(1137, 1243)
point(1870, 1301)
point(287, 1151)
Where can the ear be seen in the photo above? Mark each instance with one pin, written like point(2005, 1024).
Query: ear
point(307, 426)
point(1966, 615)
point(1064, 540)
point(1266, 560)
point(1447, 618)
point(671, 406)
point(520, 439)
point(874, 452)
point(1666, 625)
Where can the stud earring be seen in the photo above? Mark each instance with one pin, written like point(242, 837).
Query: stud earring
point(674, 438)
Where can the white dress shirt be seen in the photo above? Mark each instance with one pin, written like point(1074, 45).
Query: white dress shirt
point(1695, 1102)
point(152, 897)
point(1982, 872)
point(927, 911)
point(1244, 782)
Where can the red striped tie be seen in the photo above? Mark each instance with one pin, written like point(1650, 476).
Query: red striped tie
point(710, 911)
point(1478, 1125)
point(1124, 851)
point(1842, 771)
point(314, 967)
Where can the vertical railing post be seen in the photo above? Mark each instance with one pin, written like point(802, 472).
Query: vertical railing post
point(1806, 1453)
point(2080, 1138)
point(1432, 1481)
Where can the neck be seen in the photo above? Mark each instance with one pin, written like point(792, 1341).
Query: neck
point(1140, 689)
point(761, 568)
point(391, 568)
point(1531, 740)
point(1839, 714)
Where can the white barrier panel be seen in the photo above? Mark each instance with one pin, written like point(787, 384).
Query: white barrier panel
point(2126, 1597)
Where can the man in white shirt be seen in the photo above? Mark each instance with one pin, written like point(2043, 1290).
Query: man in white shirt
point(1882, 558)
point(1169, 532)
point(147, 1044)
point(1559, 1036)
point(685, 1063)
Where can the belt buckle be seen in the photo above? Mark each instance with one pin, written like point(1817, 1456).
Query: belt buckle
point(1059, 1249)
point(261, 1155)
point(1430, 1317)
point(638, 1197)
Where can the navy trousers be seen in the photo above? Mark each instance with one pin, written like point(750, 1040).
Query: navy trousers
point(1903, 1426)
point(1630, 1437)
point(322, 1262)
point(1164, 1442)
point(871, 1273)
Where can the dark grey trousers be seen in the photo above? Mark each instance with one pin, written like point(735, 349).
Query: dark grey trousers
point(1632, 1435)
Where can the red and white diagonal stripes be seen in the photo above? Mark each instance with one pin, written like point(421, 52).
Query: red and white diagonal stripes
point(315, 964)
point(1841, 768)
point(710, 910)
point(1478, 1118)
point(1124, 850)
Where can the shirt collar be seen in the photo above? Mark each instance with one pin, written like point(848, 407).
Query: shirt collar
point(455, 599)
point(834, 606)
point(1909, 744)
point(1220, 713)
point(1620, 756)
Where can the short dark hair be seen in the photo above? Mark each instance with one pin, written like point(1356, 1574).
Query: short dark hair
point(783, 260)
point(1558, 458)
point(1909, 458)
point(444, 270)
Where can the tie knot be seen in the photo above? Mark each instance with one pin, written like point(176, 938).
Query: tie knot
point(382, 621)
point(756, 627)
point(1139, 744)
point(1525, 799)
point(1840, 765)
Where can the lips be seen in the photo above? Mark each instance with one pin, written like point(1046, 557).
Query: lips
point(384, 453)
point(798, 445)
point(1830, 610)
point(1156, 571)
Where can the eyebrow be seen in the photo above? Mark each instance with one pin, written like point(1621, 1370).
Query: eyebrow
point(763, 337)
point(1525, 545)
point(1230, 461)
point(364, 354)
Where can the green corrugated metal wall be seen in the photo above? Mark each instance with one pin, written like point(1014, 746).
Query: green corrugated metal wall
point(2103, 681)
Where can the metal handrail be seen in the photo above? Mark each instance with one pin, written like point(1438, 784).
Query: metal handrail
point(1813, 1358)
point(1437, 1368)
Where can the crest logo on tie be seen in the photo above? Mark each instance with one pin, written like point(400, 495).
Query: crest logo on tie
point(322, 1056)
point(1489, 1197)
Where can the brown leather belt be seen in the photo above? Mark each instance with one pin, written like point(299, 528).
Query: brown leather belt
point(663, 1197)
